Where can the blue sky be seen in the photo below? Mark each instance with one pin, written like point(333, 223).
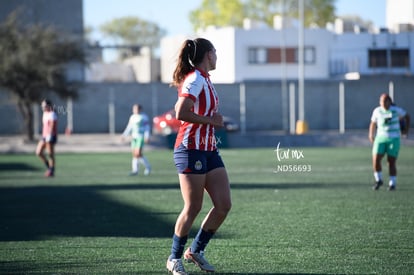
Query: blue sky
point(173, 15)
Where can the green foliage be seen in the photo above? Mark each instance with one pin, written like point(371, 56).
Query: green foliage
point(133, 31)
point(265, 10)
point(218, 13)
point(94, 219)
point(35, 59)
point(231, 13)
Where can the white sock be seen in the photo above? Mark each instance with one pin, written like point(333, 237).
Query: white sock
point(145, 162)
point(135, 165)
point(393, 180)
point(378, 176)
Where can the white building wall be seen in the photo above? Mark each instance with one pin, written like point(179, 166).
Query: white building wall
point(169, 51)
point(399, 12)
point(232, 46)
point(349, 49)
point(335, 54)
point(144, 66)
point(349, 53)
point(223, 40)
point(109, 72)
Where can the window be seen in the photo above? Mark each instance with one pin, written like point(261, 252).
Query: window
point(377, 58)
point(398, 58)
point(309, 55)
point(257, 56)
point(274, 55)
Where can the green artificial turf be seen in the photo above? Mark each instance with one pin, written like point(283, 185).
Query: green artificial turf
point(311, 212)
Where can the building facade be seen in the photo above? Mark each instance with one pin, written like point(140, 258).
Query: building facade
point(256, 52)
point(272, 54)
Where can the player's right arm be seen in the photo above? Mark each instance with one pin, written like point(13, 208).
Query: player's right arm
point(128, 128)
point(183, 110)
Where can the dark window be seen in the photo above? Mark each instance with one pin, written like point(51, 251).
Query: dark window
point(400, 58)
point(291, 55)
point(274, 55)
point(377, 58)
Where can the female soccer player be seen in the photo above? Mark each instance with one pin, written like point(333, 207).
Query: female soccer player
point(138, 127)
point(385, 120)
point(49, 137)
point(199, 165)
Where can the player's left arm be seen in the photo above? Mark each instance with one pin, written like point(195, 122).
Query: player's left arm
point(406, 118)
point(147, 129)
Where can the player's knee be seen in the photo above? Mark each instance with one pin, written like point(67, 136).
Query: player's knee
point(224, 208)
point(193, 210)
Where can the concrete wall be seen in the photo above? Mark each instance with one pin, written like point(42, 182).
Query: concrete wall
point(62, 14)
point(266, 108)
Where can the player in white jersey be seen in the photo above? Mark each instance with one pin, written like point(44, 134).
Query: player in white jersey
point(139, 129)
point(49, 137)
point(385, 120)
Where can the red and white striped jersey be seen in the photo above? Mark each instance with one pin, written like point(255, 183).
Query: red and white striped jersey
point(198, 87)
point(49, 120)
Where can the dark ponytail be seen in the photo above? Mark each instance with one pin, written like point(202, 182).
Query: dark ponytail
point(191, 54)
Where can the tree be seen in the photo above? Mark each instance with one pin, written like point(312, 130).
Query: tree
point(232, 12)
point(132, 31)
point(316, 12)
point(218, 13)
point(34, 62)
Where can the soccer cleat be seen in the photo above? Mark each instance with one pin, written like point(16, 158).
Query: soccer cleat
point(377, 185)
point(176, 267)
point(391, 188)
point(49, 173)
point(147, 171)
point(133, 174)
point(199, 260)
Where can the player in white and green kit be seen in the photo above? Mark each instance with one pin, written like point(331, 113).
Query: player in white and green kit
point(139, 129)
point(385, 120)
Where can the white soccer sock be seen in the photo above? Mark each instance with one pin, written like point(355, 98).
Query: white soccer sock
point(378, 176)
point(393, 180)
point(135, 165)
point(144, 161)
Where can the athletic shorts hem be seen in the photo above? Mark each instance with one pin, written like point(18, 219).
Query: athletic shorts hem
point(192, 161)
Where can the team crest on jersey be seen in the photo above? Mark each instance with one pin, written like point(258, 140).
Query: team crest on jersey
point(198, 165)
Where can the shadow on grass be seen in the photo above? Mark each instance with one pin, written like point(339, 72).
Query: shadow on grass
point(17, 166)
point(33, 213)
point(255, 273)
point(296, 185)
